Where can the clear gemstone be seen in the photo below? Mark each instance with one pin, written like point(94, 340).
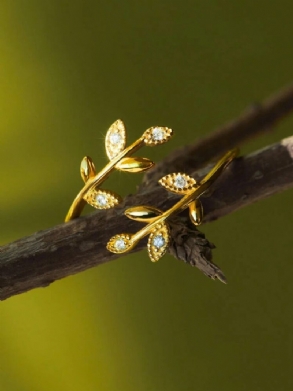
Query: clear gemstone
point(101, 200)
point(180, 182)
point(120, 244)
point(115, 138)
point(159, 241)
point(158, 134)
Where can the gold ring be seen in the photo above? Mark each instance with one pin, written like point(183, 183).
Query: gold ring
point(115, 143)
point(157, 227)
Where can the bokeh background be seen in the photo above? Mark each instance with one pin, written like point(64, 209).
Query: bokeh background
point(69, 69)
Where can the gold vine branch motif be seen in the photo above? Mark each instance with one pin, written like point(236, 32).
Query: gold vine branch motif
point(119, 156)
point(158, 228)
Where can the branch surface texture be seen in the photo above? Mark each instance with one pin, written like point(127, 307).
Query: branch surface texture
point(66, 249)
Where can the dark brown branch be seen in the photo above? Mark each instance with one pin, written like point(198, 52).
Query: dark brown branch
point(257, 119)
point(69, 248)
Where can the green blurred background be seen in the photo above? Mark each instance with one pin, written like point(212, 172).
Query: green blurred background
point(68, 70)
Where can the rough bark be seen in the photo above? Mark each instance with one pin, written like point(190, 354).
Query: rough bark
point(255, 120)
point(46, 256)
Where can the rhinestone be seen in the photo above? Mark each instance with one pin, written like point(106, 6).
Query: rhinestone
point(180, 182)
point(158, 134)
point(115, 138)
point(120, 244)
point(101, 200)
point(158, 241)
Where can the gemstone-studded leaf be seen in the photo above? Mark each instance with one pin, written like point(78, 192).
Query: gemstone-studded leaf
point(196, 212)
point(157, 135)
point(134, 164)
point(158, 242)
point(102, 199)
point(120, 243)
point(115, 139)
point(179, 183)
point(145, 214)
point(87, 168)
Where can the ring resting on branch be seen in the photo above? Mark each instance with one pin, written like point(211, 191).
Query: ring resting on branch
point(46, 256)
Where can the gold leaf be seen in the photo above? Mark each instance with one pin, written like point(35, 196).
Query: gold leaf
point(196, 212)
point(145, 214)
point(157, 135)
point(115, 139)
point(179, 183)
point(102, 199)
point(87, 168)
point(158, 242)
point(134, 164)
point(120, 243)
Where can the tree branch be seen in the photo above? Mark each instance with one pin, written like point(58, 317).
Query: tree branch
point(46, 256)
point(49, 255)
point(257, 119)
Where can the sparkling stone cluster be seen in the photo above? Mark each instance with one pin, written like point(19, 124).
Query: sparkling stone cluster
point(120, 244)
point(101, 200)
point(159, 241)
point(115, 138)
point(179, 181)
point(158, 134)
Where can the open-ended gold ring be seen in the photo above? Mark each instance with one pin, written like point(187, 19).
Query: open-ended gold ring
point(157, 227)
point(115, 143)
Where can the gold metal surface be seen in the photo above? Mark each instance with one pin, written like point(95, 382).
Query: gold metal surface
point(87, 169)
point(179, 183)
point(157, 135)
point(196, 212)
point(116, 133)
point(145, 214)
point(161, 234)
point(115, 142)
point(108, 198)
point(134, 164)
point(157, 226)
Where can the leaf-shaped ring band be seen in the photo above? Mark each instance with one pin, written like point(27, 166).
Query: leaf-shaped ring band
point(120, 159)
point(158, 227)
